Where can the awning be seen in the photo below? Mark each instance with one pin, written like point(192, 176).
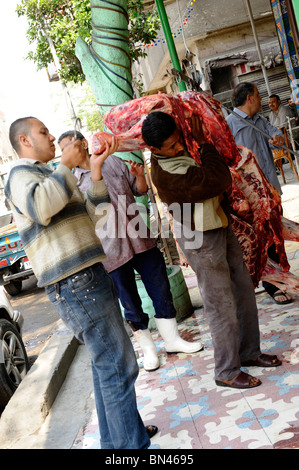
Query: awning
point(271, 55)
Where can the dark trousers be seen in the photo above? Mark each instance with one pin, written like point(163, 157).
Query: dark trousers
point(228, 295)
point(151, 267)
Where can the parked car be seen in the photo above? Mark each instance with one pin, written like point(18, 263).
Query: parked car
point(15, 267)
point(14, 363)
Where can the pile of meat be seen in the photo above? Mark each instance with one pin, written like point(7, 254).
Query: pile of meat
point(255, 203)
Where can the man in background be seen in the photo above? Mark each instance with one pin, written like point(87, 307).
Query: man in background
point(279, 113)
point(247, 102)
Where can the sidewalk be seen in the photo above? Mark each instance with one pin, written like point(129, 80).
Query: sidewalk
point(181, 397)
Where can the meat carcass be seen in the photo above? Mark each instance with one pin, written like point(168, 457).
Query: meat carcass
point(255, 203)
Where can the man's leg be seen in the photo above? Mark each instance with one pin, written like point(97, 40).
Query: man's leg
point(208, 260)
point(152, 269)
point(125, 284)
point(244, 294)
point(88, 304)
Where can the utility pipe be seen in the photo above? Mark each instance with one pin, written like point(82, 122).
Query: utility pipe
point(258, 47)
point(170, 42)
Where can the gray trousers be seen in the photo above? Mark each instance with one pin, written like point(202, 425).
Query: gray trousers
point(228, 295)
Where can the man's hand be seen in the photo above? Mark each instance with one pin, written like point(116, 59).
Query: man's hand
point(73, 154)
point(276, 140)
point(97, 160)
point(196, 129)
point(137, 170)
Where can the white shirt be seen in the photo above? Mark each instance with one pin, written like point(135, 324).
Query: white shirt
point(279, 119)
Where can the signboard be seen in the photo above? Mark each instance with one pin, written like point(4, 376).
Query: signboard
point(288, 49)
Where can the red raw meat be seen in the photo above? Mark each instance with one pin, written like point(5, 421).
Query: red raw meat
point(255, 203)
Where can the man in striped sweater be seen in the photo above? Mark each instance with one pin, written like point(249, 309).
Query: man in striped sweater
point(57, 227)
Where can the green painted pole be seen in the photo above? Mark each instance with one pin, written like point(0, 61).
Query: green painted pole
point(107, 64)
point(169, 40)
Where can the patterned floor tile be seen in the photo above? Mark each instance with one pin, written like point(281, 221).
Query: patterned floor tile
point(236, 437)
point(191, 412)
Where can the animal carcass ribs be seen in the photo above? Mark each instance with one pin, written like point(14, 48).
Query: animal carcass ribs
point(255, 203)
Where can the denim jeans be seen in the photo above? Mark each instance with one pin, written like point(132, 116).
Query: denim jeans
point(151, 266)
point(88, 304)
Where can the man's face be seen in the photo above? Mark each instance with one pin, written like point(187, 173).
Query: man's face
point(274, 104)
point(64, 142)
point(255, 101)
point(291, 103)
point(172, 147)
point(41, 141)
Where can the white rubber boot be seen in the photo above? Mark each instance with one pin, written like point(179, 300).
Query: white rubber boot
point(150, 353)
point(168, 329)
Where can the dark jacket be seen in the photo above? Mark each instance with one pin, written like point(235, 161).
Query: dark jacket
point(198, 184)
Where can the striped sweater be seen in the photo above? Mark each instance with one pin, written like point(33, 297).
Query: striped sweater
point(55, 223)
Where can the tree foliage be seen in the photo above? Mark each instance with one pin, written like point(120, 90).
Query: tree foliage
point(63, 21)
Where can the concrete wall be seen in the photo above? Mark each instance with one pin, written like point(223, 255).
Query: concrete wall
point(215, 28)
point(7, 155)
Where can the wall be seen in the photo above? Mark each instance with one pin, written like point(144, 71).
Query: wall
point(7, 155)
point(207, 35)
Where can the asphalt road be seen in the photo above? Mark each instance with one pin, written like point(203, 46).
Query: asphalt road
point(40, 317)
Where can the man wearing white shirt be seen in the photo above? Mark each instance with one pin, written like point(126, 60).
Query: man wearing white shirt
point(279, 113)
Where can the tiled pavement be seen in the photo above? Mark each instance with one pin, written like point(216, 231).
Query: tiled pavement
point(191, 412)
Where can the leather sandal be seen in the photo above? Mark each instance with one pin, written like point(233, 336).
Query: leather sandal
point(280, 293)
point(264, 360)
point(151, 430)
point(242, 380)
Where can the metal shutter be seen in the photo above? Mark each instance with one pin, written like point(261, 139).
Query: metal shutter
point(278, 81)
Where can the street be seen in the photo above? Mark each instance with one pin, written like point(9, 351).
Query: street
point(40, 317)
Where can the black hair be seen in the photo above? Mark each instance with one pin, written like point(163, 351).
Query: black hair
point(275, 96)
point(241, 91)
point(156, 128)
point(79, 136)
point(19, 127)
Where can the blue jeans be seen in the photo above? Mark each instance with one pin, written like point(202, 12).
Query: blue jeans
point(88, 304)
point(151, 266)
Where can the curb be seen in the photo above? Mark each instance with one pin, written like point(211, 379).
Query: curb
point(29, 406)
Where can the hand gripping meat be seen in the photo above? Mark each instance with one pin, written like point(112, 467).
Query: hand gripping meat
point(255, 203)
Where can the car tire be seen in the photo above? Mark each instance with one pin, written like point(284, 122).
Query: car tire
point(14, 287)
point(14, 363)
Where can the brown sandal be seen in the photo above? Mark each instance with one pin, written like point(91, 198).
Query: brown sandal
point(242, 380)
point(264, 360)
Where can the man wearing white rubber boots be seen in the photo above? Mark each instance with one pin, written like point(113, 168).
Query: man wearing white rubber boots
point(129, 247)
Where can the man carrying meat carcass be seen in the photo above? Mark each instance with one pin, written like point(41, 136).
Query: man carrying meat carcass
point(195, 196)
point(128, 249)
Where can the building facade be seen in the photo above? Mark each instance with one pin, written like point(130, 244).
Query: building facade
point(216, 38)
point(7, 155)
